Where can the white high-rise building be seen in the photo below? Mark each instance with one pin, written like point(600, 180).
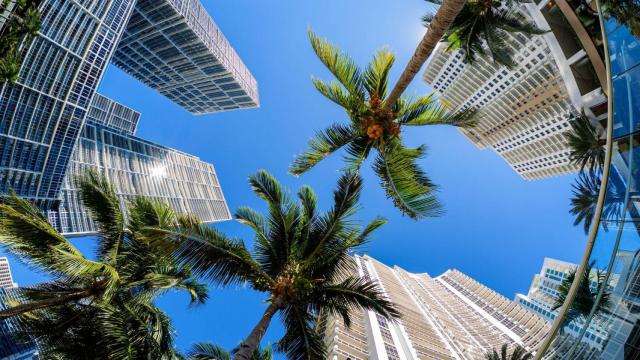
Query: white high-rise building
point(543, 293)
point(523, 111)
point(450, 316)
point(6, 279)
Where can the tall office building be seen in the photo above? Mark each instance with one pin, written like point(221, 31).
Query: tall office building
point(6, 279)
point(450, 316)
point(524, 111)
point(176, 48)
point(172, 46)
point(135, 167)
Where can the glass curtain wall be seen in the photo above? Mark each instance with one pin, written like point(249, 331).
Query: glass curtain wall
point(606, 309)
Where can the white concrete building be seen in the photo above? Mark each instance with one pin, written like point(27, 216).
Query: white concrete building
point(6, 279)
point(447, 317)
point(524, 111)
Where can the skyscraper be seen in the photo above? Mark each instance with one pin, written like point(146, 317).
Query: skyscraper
point(171, 45)
point(135, 167)
point(541, 300)
point(6, 279)
point(42, 114)
point(524, 111)
point(447, 317)
point(10, 348)
point(176, 48)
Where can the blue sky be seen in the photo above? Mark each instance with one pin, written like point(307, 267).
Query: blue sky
point(497, 229)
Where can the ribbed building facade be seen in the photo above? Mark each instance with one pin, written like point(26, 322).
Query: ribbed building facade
point(42, 114)
point(135, 167)
point(541, 299)
point(53, 125)
point(177, 49)
point(6, 279)
point(447, 317)
point(524, 111)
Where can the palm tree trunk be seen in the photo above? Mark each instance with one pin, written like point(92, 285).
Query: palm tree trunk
point(440, 23)
point(43, 304)
point(251, 343)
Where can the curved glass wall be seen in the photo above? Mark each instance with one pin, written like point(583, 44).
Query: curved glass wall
point(605, 311)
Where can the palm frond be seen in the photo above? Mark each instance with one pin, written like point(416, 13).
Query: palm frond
point(26, 233)
point(405, 183)
point(323, 144)
point(426, 111)
point(376, 76)
point(208, 351)
point(586, 143)
point(339, 64)
point(300, 340)
point(584, 201)
point(336, 93)
point(99, 197)
point(210, 254)
point(354, 293)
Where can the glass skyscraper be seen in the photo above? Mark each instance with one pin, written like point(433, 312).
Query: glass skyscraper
point(135, 167)
point(42, 114)
point(52, 114)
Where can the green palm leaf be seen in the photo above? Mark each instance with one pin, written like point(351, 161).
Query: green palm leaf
point(339, 64)
point(404, 182)
point(322, 145)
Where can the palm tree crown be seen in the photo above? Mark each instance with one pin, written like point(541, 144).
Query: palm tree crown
point(374, 127)
point(585, 298)
point(209, 351)
point(107, 302)
point(300, 258)
point(585, 199)
point(486, 22)
point(586, 143)
point(519, 353)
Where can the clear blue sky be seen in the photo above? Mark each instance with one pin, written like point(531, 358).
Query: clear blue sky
point(497, 229)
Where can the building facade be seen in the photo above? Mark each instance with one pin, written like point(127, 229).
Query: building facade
point(135, 167)
point(42, 114)
point(176, 48)
point(53, 125)
point(6, 279)
point(523, 111)
point(543, 293)
point(447, 317)
point(10, 348)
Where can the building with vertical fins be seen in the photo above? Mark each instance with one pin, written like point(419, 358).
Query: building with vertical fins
point(450, 316)
point(135, 167)
point(176, 48)
point(542, 296)
point(524, 111)
point(53, 125)
point(6, 279)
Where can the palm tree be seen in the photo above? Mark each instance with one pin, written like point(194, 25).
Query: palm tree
point(300, 259)
point(209, 351)
point(585, 199)
point(10, 66)
point(486, 23)
point(585, 298)
point(116, 289)
point(586, 143)
point(436, 29)
point(519, 353)
point(362, 94)
point(130, 329)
